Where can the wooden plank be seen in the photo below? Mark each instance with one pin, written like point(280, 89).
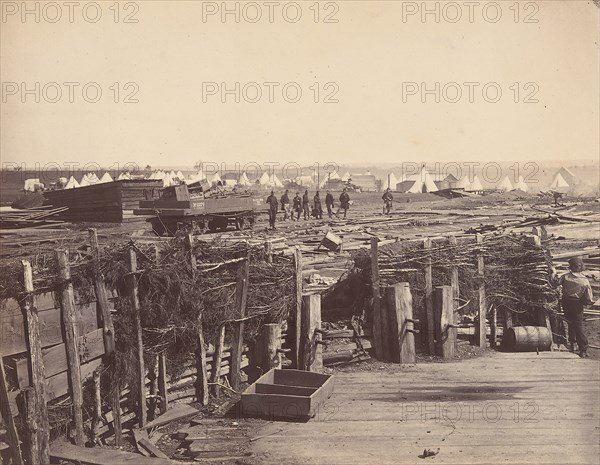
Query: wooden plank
point(298, 314)
point(152, 449)
point(135, 303)
point(162, 383)
point(138, 435)
point(241, 296)
point(429, 299)
point(444, 314)
point(377, 328)
point(482, 306)
point(201, 367)
point(177, 412)
point(38, 426)
point(217, 358)
point(91, 346)
point(13, 324)
point(98, 456)
point(311, 349)
point(58, 385)
point(11, 431)
point(70, 323)
point(400, 306)
point(454, 278)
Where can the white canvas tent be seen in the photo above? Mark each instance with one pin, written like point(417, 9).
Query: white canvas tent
point(123, 176)
point(505, 185)
point(180, 175)
point(106, 177)
point(462, 183)
point(559, 182)
point(346, 176)
point(264, 179)
point(167, 180)
point(306, 181)
point(89, 179)
point(72, 183)
point(390, 181)
point(274, 181)
point(521, 184)
point(31, 184)
point(244, 181)
point(475, 185)
point(215, 178)
point(422, 182)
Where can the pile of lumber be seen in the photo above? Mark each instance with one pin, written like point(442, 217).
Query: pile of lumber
point(35, 218)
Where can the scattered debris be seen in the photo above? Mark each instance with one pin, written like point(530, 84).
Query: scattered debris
point(429, 453)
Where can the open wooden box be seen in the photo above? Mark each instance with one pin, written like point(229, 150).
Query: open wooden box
point(287, 395)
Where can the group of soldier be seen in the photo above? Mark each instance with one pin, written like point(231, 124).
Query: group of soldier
point(302, 206)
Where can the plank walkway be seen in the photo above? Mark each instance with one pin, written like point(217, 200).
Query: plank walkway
point(507, 408)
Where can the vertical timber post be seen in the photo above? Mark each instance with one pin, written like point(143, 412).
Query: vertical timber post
point(454, 279)
point(108, 333)
point(217, 358)
point(270, 341)
point(298, 273)
point(241, 296)
point(140, 387)
point(377, 326)
point(544, 318)
point(162, 383)
point(429, 298)
point(482, 331)
point(444, 321)
point(11, 430)
point(399, 301)
point(70, 324)
point(312, 353)
point(36, 397)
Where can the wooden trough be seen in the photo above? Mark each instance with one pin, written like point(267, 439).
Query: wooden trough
point(286, 395)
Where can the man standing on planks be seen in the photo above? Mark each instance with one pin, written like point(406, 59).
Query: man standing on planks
point(305, 205)
point(318, 207)
point(576, 292)
point(297, 206)
point(329, 203)
point(285, 205)
point(388, 198)
point(273, 205)
point(344, 202)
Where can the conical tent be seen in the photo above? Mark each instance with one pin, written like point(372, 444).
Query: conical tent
point(274, 181)
point(462, 183)
point(106, 177)
point(390, 181)
point(521, 184)
point(123, 176)
point(559, 182)
point(475, 185)
point(215, 178)
point(423, 182)
point(173, 174)
point(244, 181)
point(505, 185)
point(180, 176)
point(72, 183)
point(167, 180)
point(346, 176)
point(264, 179)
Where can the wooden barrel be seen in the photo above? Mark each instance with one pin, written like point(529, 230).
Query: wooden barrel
point(527, 339)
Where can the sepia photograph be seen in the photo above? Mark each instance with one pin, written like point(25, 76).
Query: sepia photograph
point(305, 232)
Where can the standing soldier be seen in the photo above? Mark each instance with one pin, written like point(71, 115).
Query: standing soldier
point(329, 203)
point(576, 292)
point(273, 205)
point(305, 205)
point(387, 201)
point(297, 207)
point(344, 202)
point(318, 207)
point(285, 205)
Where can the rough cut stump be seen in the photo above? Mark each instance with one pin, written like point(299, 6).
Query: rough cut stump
point(399, 303)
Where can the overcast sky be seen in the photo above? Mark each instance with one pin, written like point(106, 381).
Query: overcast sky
point(371, 65)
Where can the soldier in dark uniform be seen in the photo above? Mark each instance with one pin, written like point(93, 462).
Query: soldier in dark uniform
point(273, 205)
point(305, 205)
point(297, 207)
point(285, 205)
point(318, 207)
point(344, 202)
point(388, 198)
point(329, 203)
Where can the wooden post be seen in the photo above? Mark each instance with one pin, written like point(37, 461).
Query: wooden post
point(153, 377)
point(312, 353)
point(140, 388)
point(11, 431)
point(216, 366)
point(544, 318)
point(482, 331)
point(97, 418)
point(399, 301)
point(270, 343)
point(241, 296)
point(189, 248)
point(269, 251)
point(36, 399)
point(494, 327)
point(71, 329)
point(162, 383)
point(377, 326)
point(454, 282)
point(444, 321)
point(202, 375)
point(429, 298)
point(298, 272)
point(108, 333)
